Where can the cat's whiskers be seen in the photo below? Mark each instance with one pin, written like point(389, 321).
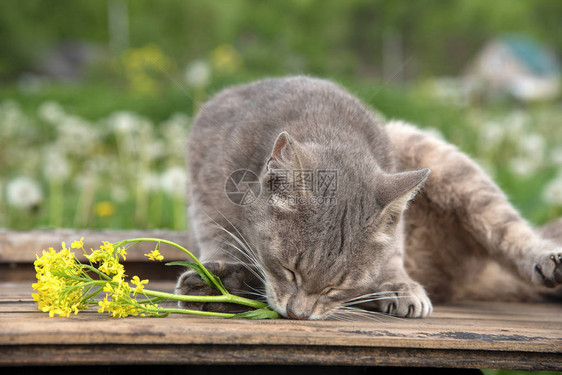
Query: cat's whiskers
point(241, 292)
point(373, 315)
point(373, 295)
point(257, 272)
point(224, 241)
point(247, 247)
point(257, 290)
point(340, 317)
point(372, 300)
point(353, 313)
point(244, 247)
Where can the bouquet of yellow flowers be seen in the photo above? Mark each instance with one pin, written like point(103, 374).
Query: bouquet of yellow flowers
point(65, 285)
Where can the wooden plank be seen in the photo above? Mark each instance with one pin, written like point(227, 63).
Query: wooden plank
point(471, 335)
point(233, 354)
point(21, 247)
point(19, 272)
point(97, 329)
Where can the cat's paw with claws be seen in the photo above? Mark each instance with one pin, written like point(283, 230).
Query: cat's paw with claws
point(547, 269)
point(403, 299)
point(236, 278)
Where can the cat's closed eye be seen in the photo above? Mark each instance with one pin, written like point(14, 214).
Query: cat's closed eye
point(290, 275)
point(330, 292)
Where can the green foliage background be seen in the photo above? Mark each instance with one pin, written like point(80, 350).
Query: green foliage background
point(325, 37)
point(341, 40)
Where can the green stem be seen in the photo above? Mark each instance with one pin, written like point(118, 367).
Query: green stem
point(229, 298)
point(205, 271)
point(56, 203)
point(191, 312)
point(94, 269)
point(92, 295)
point(179, 212)
point(157, 202)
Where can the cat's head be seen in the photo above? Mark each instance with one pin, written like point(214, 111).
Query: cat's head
point(326, 223)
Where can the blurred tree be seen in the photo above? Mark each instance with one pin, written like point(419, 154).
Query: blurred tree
point(327, 37)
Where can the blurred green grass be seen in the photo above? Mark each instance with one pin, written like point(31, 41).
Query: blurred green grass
point(463, 126)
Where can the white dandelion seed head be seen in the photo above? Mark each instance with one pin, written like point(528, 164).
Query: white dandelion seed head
point(198, 74)
point(552, 193)
point(77, 136)
point(124, 122)
point(24, 193)
point(174, 181)
point(150, 181)
point(156, 149)
point(493, 133)
point(175, 131)
point(55, 165)
point(119, 193)
point(13, 120)
point(175, 126)
point(51, 112)
point(524, 167)
point(532, 145)
point(516, 121)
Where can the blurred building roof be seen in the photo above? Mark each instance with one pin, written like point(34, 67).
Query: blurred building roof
point(536, 57)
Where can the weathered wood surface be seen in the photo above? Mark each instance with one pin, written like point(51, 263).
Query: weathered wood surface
point(21, 247)
point(475, 335)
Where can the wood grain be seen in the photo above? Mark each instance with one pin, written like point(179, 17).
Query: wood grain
point(471, 335)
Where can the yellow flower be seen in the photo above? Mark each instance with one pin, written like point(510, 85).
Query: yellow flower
point(121, 311)
point(63, 283)
point(57, 293)
point(104, 209)
point(108, 288)
point(95, 256)
point(108, 266)
point(154, 255)
point(123, 252)
point(108, 247)
point(226, 59)
point(139, 65)
point(104, 305)
point(78, 244)
point(139, 284)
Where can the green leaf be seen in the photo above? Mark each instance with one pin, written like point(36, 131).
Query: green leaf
point(198, 269)
point(263, 313)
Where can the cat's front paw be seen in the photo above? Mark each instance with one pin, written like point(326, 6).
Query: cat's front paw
point(236, 278)
point(548, 269)
point(404, 299)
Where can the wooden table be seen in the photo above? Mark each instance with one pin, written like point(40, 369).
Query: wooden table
point(470, 335)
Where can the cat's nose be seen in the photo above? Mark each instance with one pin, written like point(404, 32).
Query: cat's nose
point(295, 316)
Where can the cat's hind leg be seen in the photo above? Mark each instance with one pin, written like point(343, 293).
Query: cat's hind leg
point(458, 186)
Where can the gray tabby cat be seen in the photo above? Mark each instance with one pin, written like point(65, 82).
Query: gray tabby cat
point(329, 231)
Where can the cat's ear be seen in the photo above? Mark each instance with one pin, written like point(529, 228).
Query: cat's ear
point(398, 188)
point(284, 153)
